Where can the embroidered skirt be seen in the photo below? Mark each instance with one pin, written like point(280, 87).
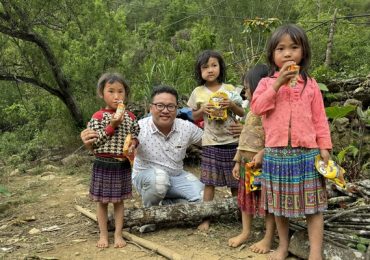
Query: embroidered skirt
point(111, 180)
point(291, 186)
point(249, 202)
point(217, 165)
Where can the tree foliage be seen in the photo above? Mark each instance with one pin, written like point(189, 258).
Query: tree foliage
point(54, 51)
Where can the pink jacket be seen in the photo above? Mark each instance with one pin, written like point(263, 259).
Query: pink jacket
point(303, 111)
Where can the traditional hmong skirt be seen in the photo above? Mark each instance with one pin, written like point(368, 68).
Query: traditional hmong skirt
point(291, 186)
point(249, 202)
point(111, 180)
point(217, 165)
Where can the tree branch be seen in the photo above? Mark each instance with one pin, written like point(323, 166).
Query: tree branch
point(23, 79)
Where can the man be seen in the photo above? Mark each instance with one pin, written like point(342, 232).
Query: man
point(158, 173)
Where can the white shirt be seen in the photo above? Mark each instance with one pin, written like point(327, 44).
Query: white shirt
point(164, 152)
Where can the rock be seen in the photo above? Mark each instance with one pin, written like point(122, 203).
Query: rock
point(76, 160)
point(70, 215)
point(15, 172)
point(51, 168)
point(48, 177)
point(341, 124)
point(34, 231)
point(299, 246)
point(352, 102)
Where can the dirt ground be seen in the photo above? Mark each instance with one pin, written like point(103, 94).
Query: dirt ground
point(38, 221)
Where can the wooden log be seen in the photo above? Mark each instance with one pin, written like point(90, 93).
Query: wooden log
point(166, 252)
point(179, 213)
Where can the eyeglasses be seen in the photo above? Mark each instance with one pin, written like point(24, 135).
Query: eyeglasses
point(161, 107)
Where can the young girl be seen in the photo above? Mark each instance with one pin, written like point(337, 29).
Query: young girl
point(219, 145)
point(296, 130)
point(111, 176)
point(250, 149)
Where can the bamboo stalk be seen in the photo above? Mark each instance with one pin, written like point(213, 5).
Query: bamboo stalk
point(168, 253)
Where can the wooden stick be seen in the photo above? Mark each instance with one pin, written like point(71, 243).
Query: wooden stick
point(346, 212)
point(168, 253)
point(152, 246)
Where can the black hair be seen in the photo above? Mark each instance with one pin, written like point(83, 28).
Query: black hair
point(299, 37)
point(203, 59)
point(111, 77)
point(164, 89)
point(254, 75)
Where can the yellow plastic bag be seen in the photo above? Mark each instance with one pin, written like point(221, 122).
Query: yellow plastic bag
point(252, 182)
point(218, 113)
point(332, 171)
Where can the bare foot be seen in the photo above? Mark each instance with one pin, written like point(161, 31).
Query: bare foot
point(279, 254)
point(238, 240)
point(204, 226)
point(261, 247)
point(103, 240)
point(119, 241)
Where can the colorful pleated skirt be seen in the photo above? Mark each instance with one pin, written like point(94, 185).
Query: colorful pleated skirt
point(217, 165)
point(291, 186)
point(111, 180)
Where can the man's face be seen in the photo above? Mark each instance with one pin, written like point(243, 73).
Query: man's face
point(164, 118)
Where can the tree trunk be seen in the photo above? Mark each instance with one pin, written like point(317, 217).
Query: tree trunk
point(330, 40)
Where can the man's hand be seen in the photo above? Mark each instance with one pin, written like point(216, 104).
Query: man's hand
point(88, 137)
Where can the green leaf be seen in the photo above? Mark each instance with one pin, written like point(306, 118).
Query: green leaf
point(361, 248)
point(4, 191)
point(323, 87)
point(338, 112)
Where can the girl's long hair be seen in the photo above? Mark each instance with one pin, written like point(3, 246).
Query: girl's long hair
point(299, 37)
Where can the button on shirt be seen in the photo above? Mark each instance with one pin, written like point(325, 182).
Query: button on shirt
point(298, 111)
point(164, 152)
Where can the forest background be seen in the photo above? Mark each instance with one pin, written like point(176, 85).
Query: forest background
point(53, 52)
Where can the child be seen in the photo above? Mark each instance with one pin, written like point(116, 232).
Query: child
point(250, 149)
point(219, 145)
point(111, 176)
point(296, 130)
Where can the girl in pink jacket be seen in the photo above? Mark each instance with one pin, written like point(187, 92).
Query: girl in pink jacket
point(296, 131)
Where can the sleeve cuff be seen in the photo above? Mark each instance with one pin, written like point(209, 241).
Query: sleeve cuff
point(109, 130)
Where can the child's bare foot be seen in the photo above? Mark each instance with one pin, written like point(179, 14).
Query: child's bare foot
point(119, 241)
point(278, 254)
point(238, 240)
point(103, 240)
point(204, 226)
point(261, 247)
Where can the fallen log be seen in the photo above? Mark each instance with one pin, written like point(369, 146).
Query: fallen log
point(175, 213)
point(168, 253)
point(179, 213)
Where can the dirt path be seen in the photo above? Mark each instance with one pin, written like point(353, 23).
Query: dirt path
point(38, 221)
